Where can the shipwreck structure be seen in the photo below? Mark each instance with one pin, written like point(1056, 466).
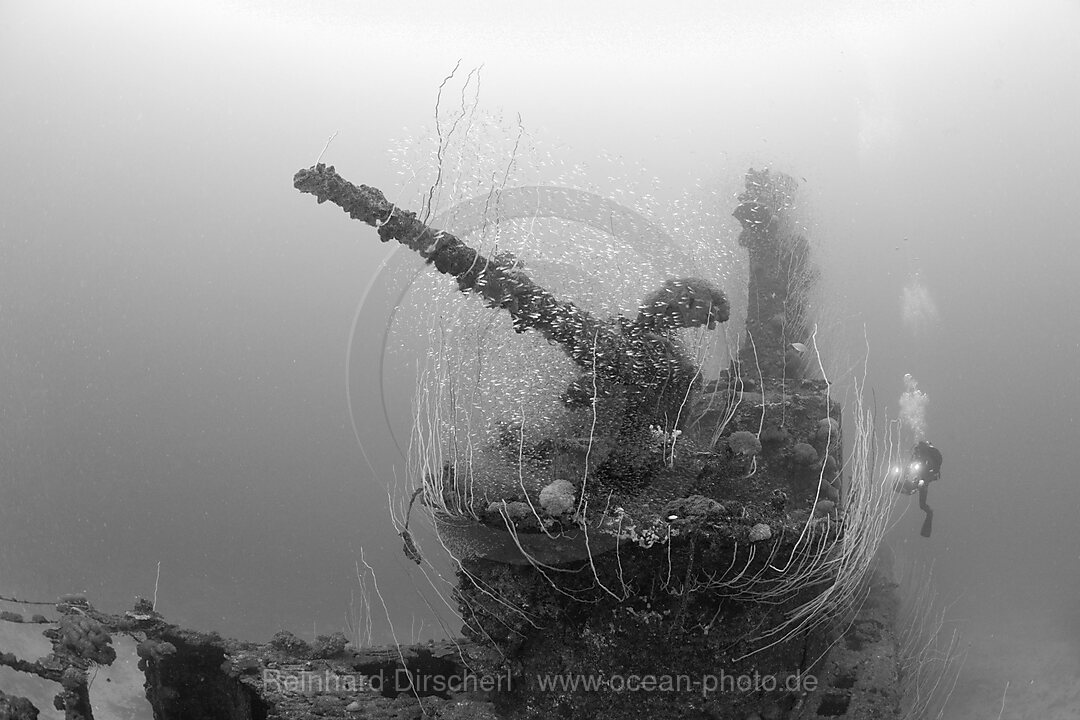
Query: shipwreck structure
point(708, 552)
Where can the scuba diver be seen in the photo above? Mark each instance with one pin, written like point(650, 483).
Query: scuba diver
point(923, 469)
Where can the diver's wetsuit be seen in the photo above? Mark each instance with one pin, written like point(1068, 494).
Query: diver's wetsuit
point(929, 459)
point(928, 521)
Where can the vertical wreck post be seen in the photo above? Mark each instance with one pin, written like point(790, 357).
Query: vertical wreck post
point(780, 276)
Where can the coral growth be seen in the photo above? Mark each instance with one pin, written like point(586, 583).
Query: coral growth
point(557, 498)
point(744, 444)
point(84, 637)
point(773, 436)
point(516, 510)
point(694, 508)
point(286, 642)
point(329, 646)
point(760, 532)
point(804, 455)
point(153, 652)
point(828, 432)
point(824, 508)
point(16, 708)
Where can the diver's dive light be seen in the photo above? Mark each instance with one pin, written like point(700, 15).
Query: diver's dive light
point(915, 471)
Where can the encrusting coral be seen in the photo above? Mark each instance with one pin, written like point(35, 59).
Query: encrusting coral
point(744, 443)
point(558, 498)
point(804, 454)
point(760, 532)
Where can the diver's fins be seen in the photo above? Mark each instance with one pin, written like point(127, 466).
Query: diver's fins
point(927, 524)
